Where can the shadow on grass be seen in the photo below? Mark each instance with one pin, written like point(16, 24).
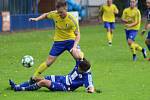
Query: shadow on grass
point(8, 89)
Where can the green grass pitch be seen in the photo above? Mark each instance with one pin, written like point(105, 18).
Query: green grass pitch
point(114, 72)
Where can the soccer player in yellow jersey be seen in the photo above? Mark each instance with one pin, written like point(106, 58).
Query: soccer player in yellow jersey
point(67, 35)
point(132, 19)
point(108, 12)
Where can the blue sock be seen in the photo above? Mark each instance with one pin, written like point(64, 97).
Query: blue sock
point(32, 87)
point(27, 83)
point(24, 84)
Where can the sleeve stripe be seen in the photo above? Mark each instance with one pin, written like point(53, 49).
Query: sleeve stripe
point(90, 80)
point(53, 78)
point(74, 21)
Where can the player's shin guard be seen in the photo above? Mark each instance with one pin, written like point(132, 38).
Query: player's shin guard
point(27, 83)
point(112, 36)
point(133, 49)
point(138, 47)
point(109, 36)
point(24, 84)
point(32, 87)
point(27, 88)
point(41, 69)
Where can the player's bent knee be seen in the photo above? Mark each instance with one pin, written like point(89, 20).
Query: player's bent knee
point(78, 54)
point(50, 60)
point(130, 41)
point(44, 83)
point(108, 30)
point(48, 83)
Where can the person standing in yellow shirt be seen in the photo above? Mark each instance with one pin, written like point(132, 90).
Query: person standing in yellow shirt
point(67, 35)
point(132, 19)
point(107, 12)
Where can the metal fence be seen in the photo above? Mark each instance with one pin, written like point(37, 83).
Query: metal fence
point(19, 6)
point(21, 10)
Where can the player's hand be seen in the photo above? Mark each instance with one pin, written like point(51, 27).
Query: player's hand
point(128, 25)
point(91, 90)
point(124, 21)
point(33, 19)
point(115, 11)
point(143, 31)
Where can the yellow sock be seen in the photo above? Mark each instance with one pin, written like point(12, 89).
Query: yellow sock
point(133, 49)
point(41, 69)
point(138, 47)
point(109, 36)
point(112, 36)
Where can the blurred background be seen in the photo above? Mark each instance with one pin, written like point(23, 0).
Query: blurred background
point(14, 14)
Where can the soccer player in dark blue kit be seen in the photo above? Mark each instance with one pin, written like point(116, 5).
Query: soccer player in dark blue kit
point(79, 76)
point(147, 26)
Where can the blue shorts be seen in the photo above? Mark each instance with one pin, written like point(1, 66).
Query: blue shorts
point(148, 35)
point(131, 34)
point(60, 46)
point(109, 25)
point(57, 83)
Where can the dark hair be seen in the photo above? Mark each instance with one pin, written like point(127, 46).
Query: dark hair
point(84, 65)
point(61, 3)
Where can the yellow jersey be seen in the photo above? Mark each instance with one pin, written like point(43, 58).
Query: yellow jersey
point(64, 28)
point(108, 14)
point(132, 15)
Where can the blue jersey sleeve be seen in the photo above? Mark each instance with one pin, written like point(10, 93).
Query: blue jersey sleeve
point(88, 82)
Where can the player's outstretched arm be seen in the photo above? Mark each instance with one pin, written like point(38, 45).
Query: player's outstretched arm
point(124, 21)
point(123, 17)
point(132, 24)
point(43, 16)
point(116, 11)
